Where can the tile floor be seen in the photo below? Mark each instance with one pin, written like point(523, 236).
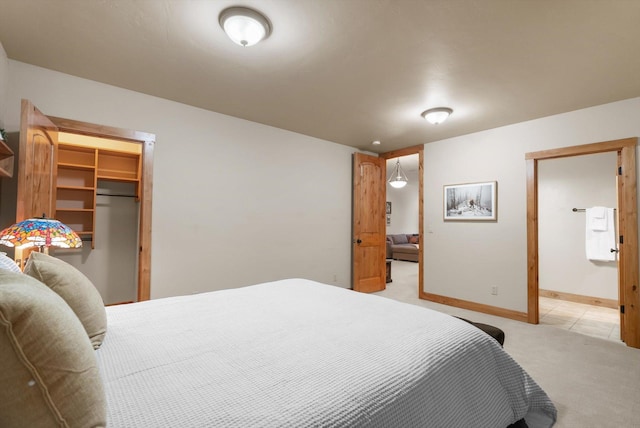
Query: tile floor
point(580, 318)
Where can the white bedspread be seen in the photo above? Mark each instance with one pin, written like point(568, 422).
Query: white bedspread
point(296, 353)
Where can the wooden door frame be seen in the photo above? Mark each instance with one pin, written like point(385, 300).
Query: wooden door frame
point(628, 228)
point(147, 141)
point(419, 150)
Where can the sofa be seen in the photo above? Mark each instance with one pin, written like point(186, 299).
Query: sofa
point(403, 247)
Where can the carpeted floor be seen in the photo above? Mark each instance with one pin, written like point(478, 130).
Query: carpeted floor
point(593, 382)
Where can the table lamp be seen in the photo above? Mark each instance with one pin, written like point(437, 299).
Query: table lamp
point(40, 232)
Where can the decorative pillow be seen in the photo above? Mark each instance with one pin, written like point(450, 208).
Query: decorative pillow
point(49, 374)
point(75, 288)
point(413, 240)
point(8, 264)
point(400, 239)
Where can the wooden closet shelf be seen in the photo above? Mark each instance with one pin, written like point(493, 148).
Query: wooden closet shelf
point(117, 178)
point(75, 210)
point(76, 166)
point(76, 188)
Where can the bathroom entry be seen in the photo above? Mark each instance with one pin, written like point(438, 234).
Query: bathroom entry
point(627, 215)
point(578, 291)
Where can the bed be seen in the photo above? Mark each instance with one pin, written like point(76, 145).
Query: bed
point(298, 353)
point(290, 353)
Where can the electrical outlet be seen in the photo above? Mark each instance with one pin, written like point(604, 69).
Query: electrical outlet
point(494, 290)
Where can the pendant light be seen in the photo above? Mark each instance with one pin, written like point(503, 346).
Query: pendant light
point(398, 178)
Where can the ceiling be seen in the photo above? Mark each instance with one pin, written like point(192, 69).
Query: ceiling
point(347, 71)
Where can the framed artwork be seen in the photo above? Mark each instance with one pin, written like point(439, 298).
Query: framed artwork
point(471, 202)
point(388, 207)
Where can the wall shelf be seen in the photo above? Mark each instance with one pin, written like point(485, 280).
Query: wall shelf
point(6, 160)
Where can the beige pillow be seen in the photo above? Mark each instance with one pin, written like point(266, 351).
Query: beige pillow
point(75, 289)
point(48, 371)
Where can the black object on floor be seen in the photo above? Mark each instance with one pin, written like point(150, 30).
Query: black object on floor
point(492, 331)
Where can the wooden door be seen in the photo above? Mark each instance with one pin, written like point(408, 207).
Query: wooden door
point(36, 161)
point(369, 249)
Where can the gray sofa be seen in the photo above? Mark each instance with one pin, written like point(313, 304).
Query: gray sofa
point(403, 247)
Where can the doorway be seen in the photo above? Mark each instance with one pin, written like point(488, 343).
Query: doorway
point(410, 151)
point(578, 288)
point(626, 186)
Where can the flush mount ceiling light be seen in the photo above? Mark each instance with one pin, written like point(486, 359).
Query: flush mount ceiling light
point(437, 115)
point(398, 178)
point(244, 26)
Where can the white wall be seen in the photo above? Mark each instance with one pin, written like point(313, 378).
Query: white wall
point(404, 205)
point(464, 259)
point(234, 202)
point(564, 184)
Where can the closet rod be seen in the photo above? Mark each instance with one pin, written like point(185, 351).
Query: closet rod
point(575, 210)
point(116, 194)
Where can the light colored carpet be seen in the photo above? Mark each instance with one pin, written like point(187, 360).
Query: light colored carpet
point(593, 382)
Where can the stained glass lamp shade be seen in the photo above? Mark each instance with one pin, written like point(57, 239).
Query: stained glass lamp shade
point(40, 232)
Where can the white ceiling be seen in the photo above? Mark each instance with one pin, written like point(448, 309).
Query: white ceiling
point(348, 71)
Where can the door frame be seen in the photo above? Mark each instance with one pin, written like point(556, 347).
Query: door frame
point(147, 142)
point(419, 150)
point(628, 274)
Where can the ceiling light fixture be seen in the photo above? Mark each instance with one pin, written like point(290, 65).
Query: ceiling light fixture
point(376, 143)
point(437, 115)
point(398, 178)
point(244, 26)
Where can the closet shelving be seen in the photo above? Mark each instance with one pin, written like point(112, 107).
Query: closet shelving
point(78, 171)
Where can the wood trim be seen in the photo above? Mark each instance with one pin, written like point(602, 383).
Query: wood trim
point(146, 186)
point(402, 152)
point(628, 228)
point(629, 248)
point(621, 222)
point(119, 303)
point(92, 129)
point(585, 149)
point(532, 242)
point(477, 307)
point(421, 220)
point(577, 298)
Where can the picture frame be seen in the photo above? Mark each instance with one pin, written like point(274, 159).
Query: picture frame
point(471, 201)
point(388, 207)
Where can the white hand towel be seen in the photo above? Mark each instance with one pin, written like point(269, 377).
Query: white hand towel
point(600, 242)
point(597, 218)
